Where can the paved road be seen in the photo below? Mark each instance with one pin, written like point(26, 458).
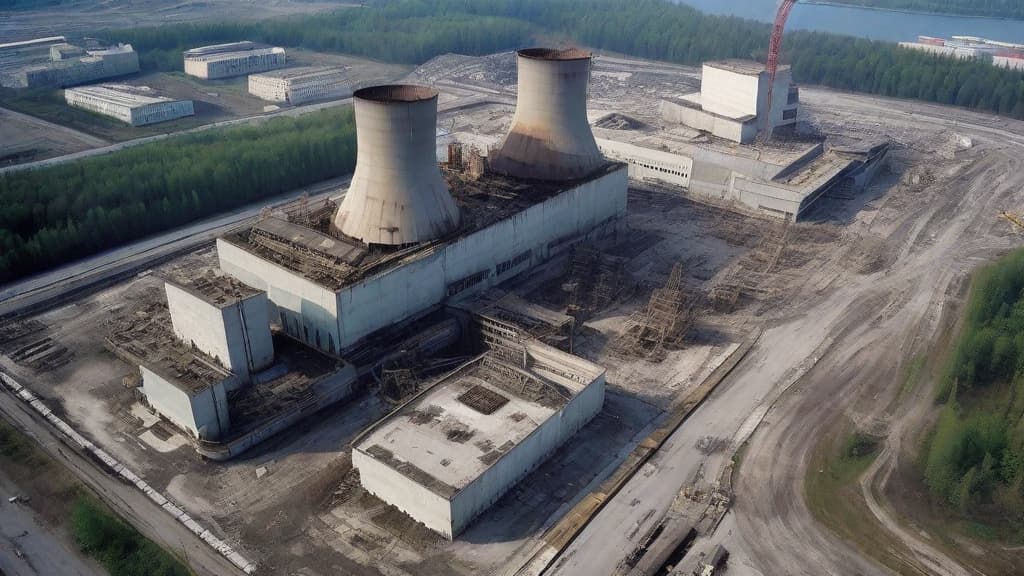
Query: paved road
point(42, 552)
point(43, 287)
point(130, 504)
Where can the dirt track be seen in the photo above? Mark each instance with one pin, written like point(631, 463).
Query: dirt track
point(936, 230)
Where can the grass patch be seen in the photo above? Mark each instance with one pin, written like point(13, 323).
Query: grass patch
point(63, 502)
point(834, 498)
point(121, 549)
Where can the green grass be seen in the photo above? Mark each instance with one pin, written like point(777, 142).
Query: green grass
point(121, 549)
point(14, 446)
point(833, 494)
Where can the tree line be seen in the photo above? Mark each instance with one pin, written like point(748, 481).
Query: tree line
point(56, 214)
point(991, 8)
point(413, 31)
point(974, 458)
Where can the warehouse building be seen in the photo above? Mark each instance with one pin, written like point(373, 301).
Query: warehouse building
point(452, 451)
point(298, 85)
point(135, 105)
point(733, 101)
point(66, 66)
point(229, 60)
point(405, 239)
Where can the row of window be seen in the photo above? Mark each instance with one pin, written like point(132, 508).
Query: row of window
point(661, 169)
point(513, 262)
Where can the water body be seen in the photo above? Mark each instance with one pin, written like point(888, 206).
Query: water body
point(866, 23)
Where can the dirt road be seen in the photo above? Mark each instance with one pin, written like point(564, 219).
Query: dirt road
point(935, 231)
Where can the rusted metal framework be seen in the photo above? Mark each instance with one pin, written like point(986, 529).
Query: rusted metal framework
point(774, 49)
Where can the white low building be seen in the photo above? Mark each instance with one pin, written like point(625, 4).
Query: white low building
point(135, 105)
point(299, 85)
point(229, 60)
point(452, 451)
point(733, 101)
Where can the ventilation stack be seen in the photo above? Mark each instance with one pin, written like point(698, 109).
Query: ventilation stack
point(550, 138)
point(397, 195)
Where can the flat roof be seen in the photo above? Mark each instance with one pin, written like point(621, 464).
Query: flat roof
point(454, 431)
point(124, 95)
point(227, 47)
point(220, 56)
point(342, 249)
point(740, 66)
point(215, 287)
point(482, 202)
point(300, 73)
point(34, 42)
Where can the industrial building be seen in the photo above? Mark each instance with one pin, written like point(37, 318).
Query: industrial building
point(733, 101)
point(299, 85)
point(135, 105)
point(406, 239)
point(53, 63)
point(1001, 54)
point(210, 364)
point(453, 450)
point(229, 60)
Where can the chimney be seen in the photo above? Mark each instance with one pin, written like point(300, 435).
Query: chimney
point(550, 138)
point(397, 195)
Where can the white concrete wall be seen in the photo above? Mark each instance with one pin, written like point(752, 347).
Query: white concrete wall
point(1006, 62)
point(514, 465)
point(401, 492)
point(647, 165)
point(161, 112)
point(268, 88)
point(701, 120)
point(729, 93)
point(249, 62)
point(303, 308)
point(204, 414)
point(403, 292)
point(254, 317)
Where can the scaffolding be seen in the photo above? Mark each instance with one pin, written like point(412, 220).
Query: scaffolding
point(594, 282)
point(662, 324)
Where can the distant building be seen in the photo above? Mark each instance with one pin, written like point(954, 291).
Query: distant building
point(65, 64)
point(298, 85)
point(133, 105)
point(733, 101)
point(229, 60)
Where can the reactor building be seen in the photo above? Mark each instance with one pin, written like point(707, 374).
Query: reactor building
point(733, 101)
point(312, 300)
point(134, 105)
point(233, 59)
point(300, 85)
point(404, 239)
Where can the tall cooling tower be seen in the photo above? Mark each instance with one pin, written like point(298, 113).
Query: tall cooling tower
point(550, 138)
point(397, 194)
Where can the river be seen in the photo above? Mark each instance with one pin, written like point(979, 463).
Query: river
point(867, 23)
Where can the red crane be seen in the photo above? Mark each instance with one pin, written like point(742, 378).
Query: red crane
point(773, 55)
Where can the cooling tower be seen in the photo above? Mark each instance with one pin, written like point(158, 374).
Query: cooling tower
point(397, 194)
point(550, 138)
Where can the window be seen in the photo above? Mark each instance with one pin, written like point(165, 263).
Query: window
point(512, 262)
point(789, 114)
point(467, 282)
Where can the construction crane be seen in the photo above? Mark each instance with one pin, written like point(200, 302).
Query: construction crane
point(1014, 219)
point(774, 48)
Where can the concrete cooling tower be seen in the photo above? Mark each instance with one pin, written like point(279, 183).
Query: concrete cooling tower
point(550, 138)
point(397, 194)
